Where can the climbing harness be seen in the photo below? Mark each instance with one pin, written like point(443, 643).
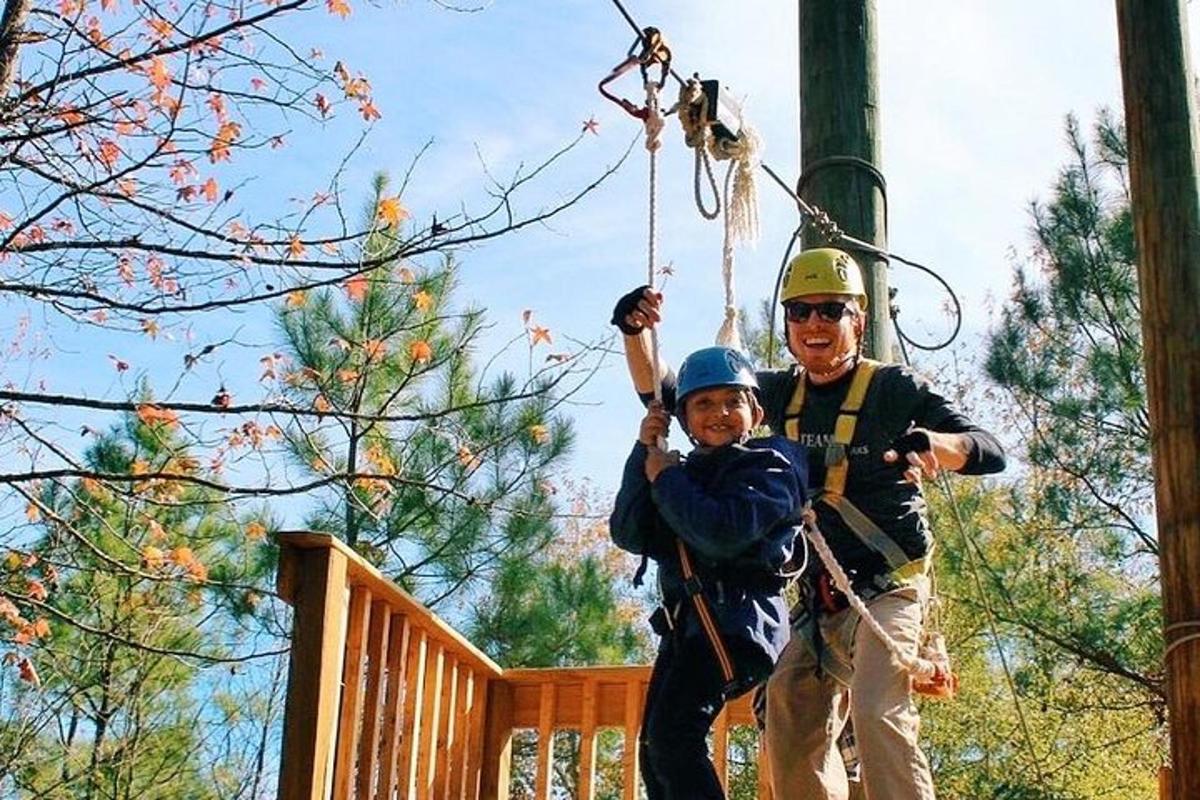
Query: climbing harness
point(930, 665)
point(695, 590)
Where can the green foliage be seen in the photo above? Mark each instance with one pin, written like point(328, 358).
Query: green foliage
point(436, 473)
point(143, 588)
point(1066, 728)
point(1081, 567)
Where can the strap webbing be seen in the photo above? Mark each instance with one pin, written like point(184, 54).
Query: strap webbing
point(705, 614)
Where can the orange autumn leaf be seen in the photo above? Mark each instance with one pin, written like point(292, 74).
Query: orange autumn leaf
point(127, 186)
point(27, 672)
point(226, 136)
point(405, 275)
point(151, 414)
point(347, 375)
point(210, 190)
point(356, 287)
point(33, 513)
point(322, 104)
point(296, 299)
point(369, 111)
point(36, 590)
point(339, 7)
point(374, 348)
point(153, 557)
point(150, 328)
point(41, 628)
point(391, 212)
point(109, 153)
point(468, 459)
point(539, 334)
point(160, 76)
point(256, 531)
point(321, 404)
point(423, 300)
point(9, 612)
point(420, 351)
point(295, 247)
point(539, 433)
point(159, 28)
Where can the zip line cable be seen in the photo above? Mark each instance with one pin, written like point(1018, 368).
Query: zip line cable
point(828, 228)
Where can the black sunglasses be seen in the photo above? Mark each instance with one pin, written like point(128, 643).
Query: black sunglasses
point(830, 310)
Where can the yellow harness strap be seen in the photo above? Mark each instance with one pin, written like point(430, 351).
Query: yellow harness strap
point(837, 462)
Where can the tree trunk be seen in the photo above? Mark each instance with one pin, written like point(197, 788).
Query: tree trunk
point(1160, 115)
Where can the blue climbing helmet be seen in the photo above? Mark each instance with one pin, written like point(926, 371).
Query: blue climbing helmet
point(710, 368)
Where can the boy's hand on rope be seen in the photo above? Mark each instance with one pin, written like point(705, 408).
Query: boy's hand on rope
point(658, 459)
point(638, 310)
point(655, 425)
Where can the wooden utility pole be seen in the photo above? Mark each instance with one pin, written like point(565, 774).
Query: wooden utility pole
point(1160, 116)
point(839, 140)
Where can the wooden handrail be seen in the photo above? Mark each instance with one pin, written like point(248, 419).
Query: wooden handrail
point(386, 700)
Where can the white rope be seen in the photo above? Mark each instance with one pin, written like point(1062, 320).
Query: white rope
point(742, 208)
point(921, 669)
point(728, 335)
point(654, 127)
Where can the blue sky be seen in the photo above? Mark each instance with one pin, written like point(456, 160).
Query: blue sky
point(974, 97)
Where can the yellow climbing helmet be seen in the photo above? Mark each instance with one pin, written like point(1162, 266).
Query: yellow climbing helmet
point(823, 270)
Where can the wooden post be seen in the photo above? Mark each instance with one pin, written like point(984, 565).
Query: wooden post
point(1160, 115)
point(497, 743)
point(315, 583)
point(840, 143)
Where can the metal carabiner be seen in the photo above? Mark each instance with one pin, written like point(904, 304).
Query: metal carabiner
point(648, 49)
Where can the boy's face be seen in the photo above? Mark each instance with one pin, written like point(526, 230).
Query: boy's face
point(721, 415)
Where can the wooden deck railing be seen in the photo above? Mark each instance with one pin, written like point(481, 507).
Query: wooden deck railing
point(385, 700)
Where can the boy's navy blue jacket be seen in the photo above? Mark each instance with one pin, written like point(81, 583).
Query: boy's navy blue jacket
point(737, 509)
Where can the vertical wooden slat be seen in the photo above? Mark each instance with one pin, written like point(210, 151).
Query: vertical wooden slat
point(393, 716)
point(413, 692)
point(430, 722)
point(317, 581)
point(462, 733)
point(1164, 782)
point(368, 743)
point(721, 747)
point(350, 715)
point(635, 698)
point(764, 769)
point(587, 742)
point(489, 753)
point(446, 731)
point(545, 745)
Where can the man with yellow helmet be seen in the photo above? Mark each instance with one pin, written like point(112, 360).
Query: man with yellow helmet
point(872, 432)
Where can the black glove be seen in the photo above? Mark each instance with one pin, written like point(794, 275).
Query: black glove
point(912, 442)
point(626, 306)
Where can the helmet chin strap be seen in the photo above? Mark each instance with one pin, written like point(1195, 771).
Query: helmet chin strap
point(834, 367)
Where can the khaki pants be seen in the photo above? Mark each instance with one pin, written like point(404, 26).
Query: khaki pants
point(807, 709)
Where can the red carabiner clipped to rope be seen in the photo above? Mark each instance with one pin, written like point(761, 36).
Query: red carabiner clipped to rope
point(654, 50)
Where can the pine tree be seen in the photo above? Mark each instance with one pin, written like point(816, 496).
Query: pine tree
point(122, 609)
point(436, 472)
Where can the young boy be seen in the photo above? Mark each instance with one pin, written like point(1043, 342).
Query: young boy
point(721, 526)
